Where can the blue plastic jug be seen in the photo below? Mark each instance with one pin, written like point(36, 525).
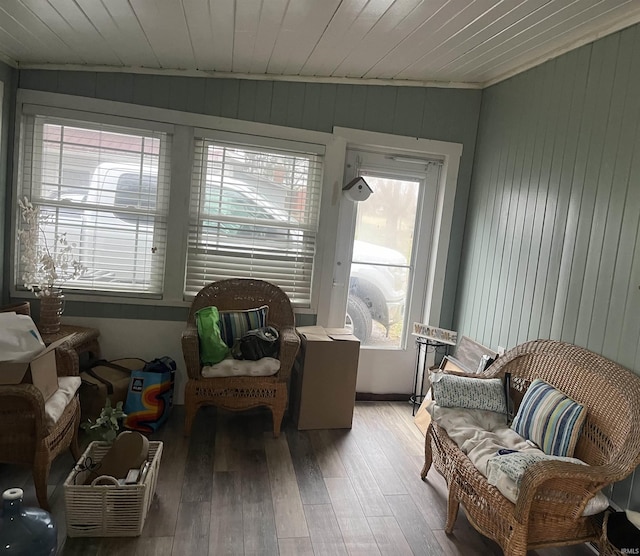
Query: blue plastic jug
point(25, 531)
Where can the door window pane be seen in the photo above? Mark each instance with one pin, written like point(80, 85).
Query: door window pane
point(380, 268)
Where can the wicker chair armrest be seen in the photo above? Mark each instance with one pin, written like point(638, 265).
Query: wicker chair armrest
point(289, 345)
point(191, 351)
point(578, 482)
point(24, 398)
point(67, 360)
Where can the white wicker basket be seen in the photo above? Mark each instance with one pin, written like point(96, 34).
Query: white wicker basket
point(107, 510)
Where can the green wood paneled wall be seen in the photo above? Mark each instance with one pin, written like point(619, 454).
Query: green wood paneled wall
point(551, 245)
point(431, 113)
point(8, 76)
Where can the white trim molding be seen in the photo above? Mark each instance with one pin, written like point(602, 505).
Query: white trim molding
point(450, 154)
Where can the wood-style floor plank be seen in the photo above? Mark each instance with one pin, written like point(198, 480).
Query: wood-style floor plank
point(326, 537)
point(231, 489)
point(259, 526)
point(327, 456)
point(410, 441)
point(413, 526)
point(163, 513)
point(295, 547)
point(308, 473)
point(81, 546)
point(226, 528)
point(223, 457)
point(355, 529)
point(389, 536)
point(125, 546)
point(287, 504)
point(155, 546)
point(406, 416)
point(465, 540)
point(384, 473)
point(432, 503)
point(192, 529)
point(196, 486)
point(371, 498)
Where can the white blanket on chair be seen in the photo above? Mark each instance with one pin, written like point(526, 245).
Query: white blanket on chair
point(480, 434)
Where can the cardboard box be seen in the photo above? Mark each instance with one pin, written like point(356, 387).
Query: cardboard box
point(324, 378)
point(41, 371)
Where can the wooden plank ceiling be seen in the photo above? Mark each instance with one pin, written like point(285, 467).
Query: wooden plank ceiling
point(448, 42)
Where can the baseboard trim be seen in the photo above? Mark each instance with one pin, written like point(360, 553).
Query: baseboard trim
point(369, 397)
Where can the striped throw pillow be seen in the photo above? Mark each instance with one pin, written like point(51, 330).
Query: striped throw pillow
point(235, 324)
point(550, 419)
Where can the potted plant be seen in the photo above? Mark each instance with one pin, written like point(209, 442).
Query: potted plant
point(107, 425)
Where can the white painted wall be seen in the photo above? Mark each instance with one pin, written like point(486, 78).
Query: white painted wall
point(146, 339)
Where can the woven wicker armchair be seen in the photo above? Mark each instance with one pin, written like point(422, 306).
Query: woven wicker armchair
point(25, 437)
point(240, 393)
point(553, 494)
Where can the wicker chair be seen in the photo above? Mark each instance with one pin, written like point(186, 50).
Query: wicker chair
point(25, 437)
point(240, 393)
point(553, 494)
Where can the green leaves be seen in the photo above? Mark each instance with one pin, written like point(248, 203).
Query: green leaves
point(107, 425)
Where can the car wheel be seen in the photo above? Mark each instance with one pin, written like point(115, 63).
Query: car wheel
point(359, 319)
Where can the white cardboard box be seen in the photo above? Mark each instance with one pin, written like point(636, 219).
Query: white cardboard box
point(40, 371)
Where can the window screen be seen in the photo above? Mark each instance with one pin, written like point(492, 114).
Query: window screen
point(254, 213)
point(105, 187)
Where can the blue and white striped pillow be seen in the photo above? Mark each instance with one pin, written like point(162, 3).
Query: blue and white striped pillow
point(235, 324)
point(550, 419)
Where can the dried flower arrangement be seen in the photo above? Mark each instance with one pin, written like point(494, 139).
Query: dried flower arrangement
point(46, 267)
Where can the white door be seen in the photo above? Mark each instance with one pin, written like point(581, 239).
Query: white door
point(390, 239)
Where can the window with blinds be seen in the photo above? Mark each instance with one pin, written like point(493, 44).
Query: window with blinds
point(253, 213)
point(106, 189)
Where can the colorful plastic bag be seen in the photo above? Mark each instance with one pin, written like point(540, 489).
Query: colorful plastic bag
point(150, 395)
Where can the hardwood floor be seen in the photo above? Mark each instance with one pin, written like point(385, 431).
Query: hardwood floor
point(231, 488)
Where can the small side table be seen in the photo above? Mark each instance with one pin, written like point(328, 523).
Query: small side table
point(84, 341)
point(424, 346)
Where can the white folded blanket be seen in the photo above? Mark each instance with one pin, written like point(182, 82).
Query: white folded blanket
point(54, 407)
point(480, 434)
point(266, 366)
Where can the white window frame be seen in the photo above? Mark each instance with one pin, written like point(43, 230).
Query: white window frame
point(234, 140)
point(332, 314)
point(91, 120)
point(183, 125)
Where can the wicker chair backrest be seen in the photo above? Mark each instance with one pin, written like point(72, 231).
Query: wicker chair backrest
point(239, 294)
point(611, 393)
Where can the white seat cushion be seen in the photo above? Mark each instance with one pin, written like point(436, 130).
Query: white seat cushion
point(54, 407)
point(266, 366)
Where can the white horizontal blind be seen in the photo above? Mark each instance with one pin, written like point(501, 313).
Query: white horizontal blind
point(107, 188)
point(254, 213)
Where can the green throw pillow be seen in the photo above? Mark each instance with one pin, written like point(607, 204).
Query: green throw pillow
point(212, 347)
